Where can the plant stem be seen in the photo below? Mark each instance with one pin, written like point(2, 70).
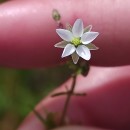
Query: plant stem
point(69, 94)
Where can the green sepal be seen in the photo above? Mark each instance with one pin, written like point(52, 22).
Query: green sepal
point(69, 27)
point(88, 28)
point(82, 67)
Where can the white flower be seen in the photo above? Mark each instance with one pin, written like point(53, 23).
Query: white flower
point(77, 41)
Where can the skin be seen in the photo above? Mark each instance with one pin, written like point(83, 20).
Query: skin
point(106, 106)
point(27, 31)
point(27, 37)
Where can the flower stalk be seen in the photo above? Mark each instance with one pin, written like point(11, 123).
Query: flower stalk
point(69, 94)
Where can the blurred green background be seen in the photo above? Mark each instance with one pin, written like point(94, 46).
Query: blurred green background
point(1, 1)
point(21, 89)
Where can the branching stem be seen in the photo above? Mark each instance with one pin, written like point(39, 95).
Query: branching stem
point(68, 99)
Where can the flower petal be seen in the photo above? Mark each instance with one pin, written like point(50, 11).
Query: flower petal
point(75, 57)
point(83, 52)
point(61, 44)
point(91, 46)
point(68, 50)
point(77, 29)
point(88, 37)
point(65, 34)
point(88, 28)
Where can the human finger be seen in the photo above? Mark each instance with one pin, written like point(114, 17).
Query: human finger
point(106, 104)
point(27, 31)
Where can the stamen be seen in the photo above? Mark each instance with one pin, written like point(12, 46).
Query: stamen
point(76, 41)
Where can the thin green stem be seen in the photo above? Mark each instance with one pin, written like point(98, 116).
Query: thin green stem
point(70, 93)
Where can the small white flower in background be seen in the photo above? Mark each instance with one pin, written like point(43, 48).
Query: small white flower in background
point(77, 41)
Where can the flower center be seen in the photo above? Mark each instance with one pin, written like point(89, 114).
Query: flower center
point(76, 41)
